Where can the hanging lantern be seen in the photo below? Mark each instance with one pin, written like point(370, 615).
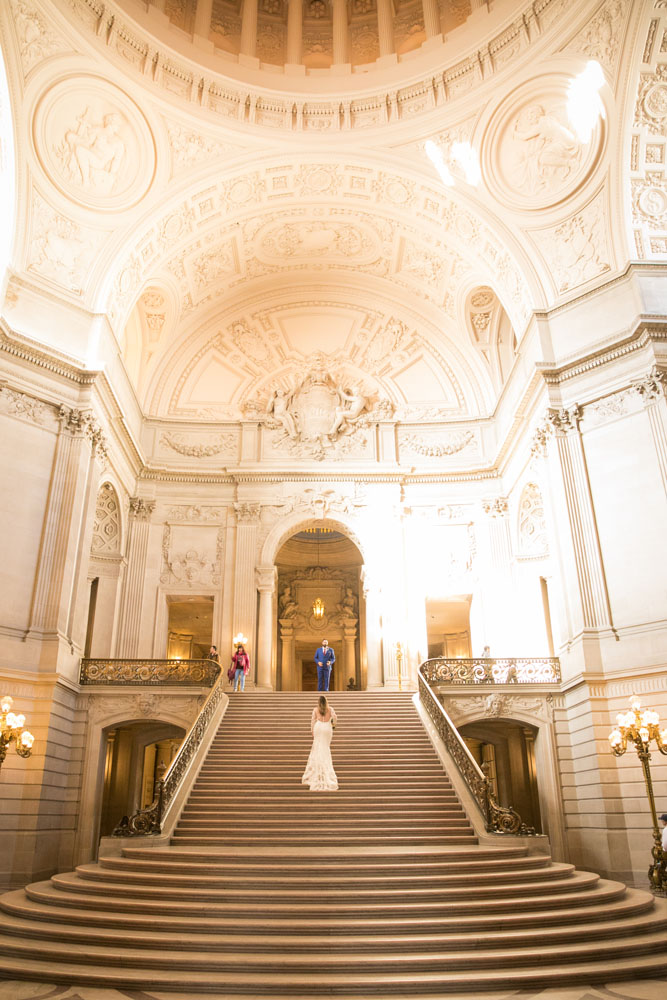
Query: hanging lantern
point(318, 608)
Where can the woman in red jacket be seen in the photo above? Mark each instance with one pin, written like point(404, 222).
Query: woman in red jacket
point(241, 665)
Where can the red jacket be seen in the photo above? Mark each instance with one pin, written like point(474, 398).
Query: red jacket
point(241, 661)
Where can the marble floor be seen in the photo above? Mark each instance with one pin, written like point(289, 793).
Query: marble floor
point(643, 989)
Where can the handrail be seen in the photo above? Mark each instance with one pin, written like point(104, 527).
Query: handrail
point(149, 820)
point(497, 818)
point(148, 672)
point(493, 670)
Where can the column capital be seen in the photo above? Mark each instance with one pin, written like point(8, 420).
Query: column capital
point(565, 420)
point(541, 435)
point(247, 513)
point(496, 507)
point(80, 423)
point(140, 509)
point(652, 386)
point(265, 578)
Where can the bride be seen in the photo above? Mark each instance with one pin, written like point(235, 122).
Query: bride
point(319, 773)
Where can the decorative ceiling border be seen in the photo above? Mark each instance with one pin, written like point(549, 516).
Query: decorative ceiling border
point(112, 29)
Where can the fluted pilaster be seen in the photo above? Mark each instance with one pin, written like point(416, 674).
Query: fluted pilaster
point(294, 31)
point(133, 586)
point(203, 16)
point(386, 27)
point(432, 24)
point(249, 28)
point(266, 585)
point(340, 30)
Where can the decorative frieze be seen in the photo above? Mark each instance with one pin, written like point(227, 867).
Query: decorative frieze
point(199, 449)
point(496, 507)
point(444, 445)
point(19, 404)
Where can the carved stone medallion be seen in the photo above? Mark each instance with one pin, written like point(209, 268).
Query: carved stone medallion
point(533, 156)
point(94, 144)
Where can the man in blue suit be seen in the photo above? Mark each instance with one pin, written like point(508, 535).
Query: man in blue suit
point(325, 659)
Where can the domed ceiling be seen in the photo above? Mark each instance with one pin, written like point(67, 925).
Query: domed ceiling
point(247, 220)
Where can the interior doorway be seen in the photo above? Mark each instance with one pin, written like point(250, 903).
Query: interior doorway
point(448, 626)
point(189, 626)
point(507, 748)
point(319, 596)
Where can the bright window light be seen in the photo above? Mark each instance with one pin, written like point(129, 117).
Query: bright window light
point(584, 105)
point(468, 160)
point(436, 157)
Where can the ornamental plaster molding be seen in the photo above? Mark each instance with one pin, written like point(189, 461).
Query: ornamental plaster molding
point(147, 705)
point(601, 38)
point(199, 449)
point(192, 566)
point(450, 444)
point(36, 38)
point(59, 249)
point(653, 386)
point(565, 420)
point(83, 423)
point(247, 513)
point(495, 705)
point(19, 404)
point(578, 249)
point(140, 509)
point(125, 42)
point(94, 143)
point(208, 260)
point(106, 527)
point(191, 148)
point(496, 507)
point(647, 237)
point(195, 513)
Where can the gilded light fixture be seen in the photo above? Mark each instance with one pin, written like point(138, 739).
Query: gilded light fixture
point(11, 728)
point(640, 728)
point(318, 603)
point(240, 640)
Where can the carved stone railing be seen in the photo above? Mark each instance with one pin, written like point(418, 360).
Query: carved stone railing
point(149, 820)
point(485, 670)
point(149, 672)
point(497, 818)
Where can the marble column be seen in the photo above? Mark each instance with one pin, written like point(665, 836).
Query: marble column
point(245, 590)
point(203, 18)
point(287, 658)
point(571, 460)
point(349, 641)
point(340, 32)
point(432, 24)
point(266, 584)
point(249, 28)
point(386, 27)
point(294, 32)
point(372, 597)
point(133, 585)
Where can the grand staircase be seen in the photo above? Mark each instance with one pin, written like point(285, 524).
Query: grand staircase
point(378, 889)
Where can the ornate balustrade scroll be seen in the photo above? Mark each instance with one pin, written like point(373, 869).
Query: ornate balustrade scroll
point(483, 670)
point(149, 672)
point(497, 818)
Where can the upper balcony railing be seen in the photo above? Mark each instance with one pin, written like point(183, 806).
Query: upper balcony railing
point(203, 673)
point(487, 670)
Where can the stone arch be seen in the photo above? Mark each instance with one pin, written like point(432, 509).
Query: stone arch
point(298, 520)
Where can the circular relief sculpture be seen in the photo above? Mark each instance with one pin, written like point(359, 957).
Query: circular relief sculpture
point(94, 143)
point(533, 158)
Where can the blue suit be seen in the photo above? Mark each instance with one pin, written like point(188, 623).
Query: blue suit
point(325, 659)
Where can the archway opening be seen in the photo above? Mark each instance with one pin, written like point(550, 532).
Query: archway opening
point(320, 597)
point(506, 748)
point(136, 754)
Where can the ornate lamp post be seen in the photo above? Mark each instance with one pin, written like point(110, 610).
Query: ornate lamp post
point(640, 728)
point(399, 660)
point(11, 728)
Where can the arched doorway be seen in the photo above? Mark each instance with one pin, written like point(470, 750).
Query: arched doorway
point(507, 748)
point(319, 596)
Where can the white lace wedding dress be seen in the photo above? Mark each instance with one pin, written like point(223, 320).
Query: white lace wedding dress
point(319, 773)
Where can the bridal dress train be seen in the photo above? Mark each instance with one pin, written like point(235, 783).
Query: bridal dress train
point(319, 773)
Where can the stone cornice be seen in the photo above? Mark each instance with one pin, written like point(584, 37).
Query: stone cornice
point(647, 330)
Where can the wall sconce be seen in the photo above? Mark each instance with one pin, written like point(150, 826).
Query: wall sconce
point(318, 608)
point(11, 728)
point(240, 640)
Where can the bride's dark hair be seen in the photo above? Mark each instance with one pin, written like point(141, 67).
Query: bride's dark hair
point(323, 705)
